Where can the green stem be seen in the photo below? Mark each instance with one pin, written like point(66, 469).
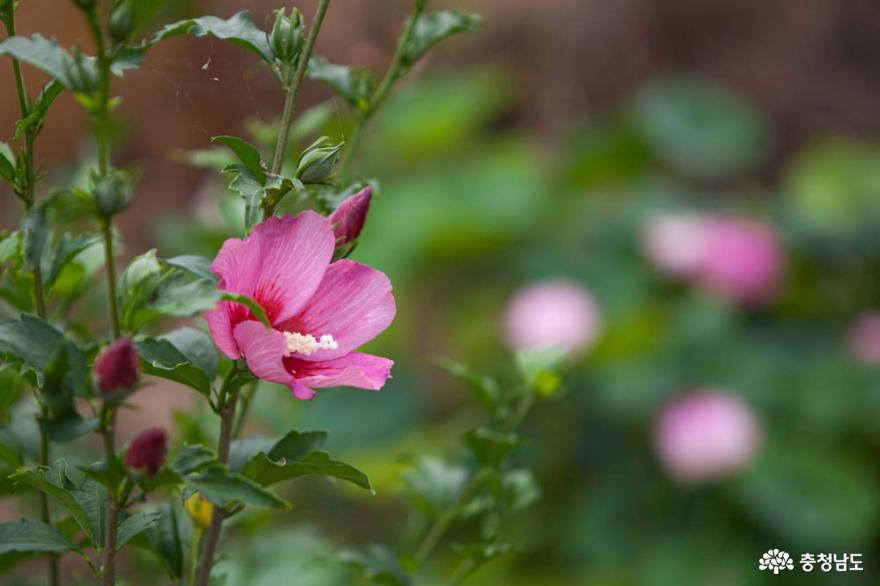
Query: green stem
point(395, 72)
point(246, 397)
point(228, 397)
point(292, 88)
point(446, 518)
point(108, 431)
point(39, 292)
point(462, 571)
point(111, 279)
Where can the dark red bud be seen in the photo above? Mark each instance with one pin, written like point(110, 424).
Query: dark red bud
point(147, 451)
point(348, 219)
point(117, 366)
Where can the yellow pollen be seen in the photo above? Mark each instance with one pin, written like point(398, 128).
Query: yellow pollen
point(306, 344)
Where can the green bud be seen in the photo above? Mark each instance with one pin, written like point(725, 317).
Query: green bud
point(287, 36)
point(112, 195)
point(121, 23)
point(316, 162)
point(83, 74)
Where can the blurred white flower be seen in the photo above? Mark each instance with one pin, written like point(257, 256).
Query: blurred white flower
point(706, 435)
point(676, 243)
point(557, 314)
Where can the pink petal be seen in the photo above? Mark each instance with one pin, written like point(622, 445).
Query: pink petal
point(353, 304)
point(264, 351)
point(302, 392)
point(221, 320)
point(280, 264)
point(364, 371)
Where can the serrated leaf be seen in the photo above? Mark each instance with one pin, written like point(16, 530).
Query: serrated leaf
point(197, 265)
point(39, 108)
point(28, 535)
point(223, 488)
point(247, 154)
point(34, 343)
point(289, 448)
point(434, 27)
point(354, 85)
point(51, 482)
point(42, 53)
point(64, 251)
point(266, 471)
point(164, 537)
point(186, 356)
point(238, 29)
point(134, 525)
point(192, 458)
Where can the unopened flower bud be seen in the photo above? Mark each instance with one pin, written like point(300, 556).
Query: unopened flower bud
point(200, 510)
point(117, 367)
point(112, 195)
point(348, 219)
point(287, 36)
point(121, 23)
point(316, 162)
point(147, 451)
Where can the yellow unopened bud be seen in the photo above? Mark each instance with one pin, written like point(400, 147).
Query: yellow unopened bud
point(200, 510)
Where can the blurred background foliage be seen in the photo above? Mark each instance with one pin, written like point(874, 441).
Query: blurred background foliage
point(481, 192)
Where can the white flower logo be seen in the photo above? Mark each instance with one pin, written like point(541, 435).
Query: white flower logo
point(776, 561)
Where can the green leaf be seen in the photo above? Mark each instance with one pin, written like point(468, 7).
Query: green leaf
point(37, 236)
point(137, 286)
point(223, 488)
point(52, 483)
point(484, 387)
point(164, 537)
point(64, 251)
point(376, 565)
point(434, 484)
point(39, 109)
point(34, 343)
point(68, 426)
point(238, 29)
point(134, 525)
point(489, 447)
point(266, 471)
point(247, 154)
point(7, 164)
point(197, 265)
point(356, 86)
point(434, 27)
point(184, 355)
point(291, 447)
point(42, 53)
point(192, 458)
point(27, 535)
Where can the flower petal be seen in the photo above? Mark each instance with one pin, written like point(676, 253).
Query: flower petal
point(221, 321)
point(364, 371)
point(302, 392)
point(264, 351)
point(280, 264)
point(354, 304)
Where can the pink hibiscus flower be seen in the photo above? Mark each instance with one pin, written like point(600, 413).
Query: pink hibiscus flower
point(320, 311)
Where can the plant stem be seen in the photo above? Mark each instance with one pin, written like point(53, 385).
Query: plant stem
point(292, 87)
point(395, 72)
point(246, 397)
point(101, 125)
point(462, 572)
point(39, 293)
point(228, 399)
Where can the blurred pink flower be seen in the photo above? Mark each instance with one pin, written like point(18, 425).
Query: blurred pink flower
point(864, 338)
point(147, 451)
point(552, 314)
point(116, 368)
point(706, 435)
point(320, 312)
point(349, 218)
point(739, 260)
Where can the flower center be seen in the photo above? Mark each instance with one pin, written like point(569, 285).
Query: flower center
point(306, 343)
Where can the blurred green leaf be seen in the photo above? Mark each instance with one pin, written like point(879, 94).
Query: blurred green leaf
point(135, 525)
point(355, 86)
point(491, 448)
point(376, 564)
point(223, 488)
point(248, 155)
point(291, 447)
point(266, 471)
point(39, 109)
point(32, 536)
point(178, 359)
point(700, 127)
point(433, 27)
point(192, 458)
point(64, 251)
point(485, 388)
point(164, 537)
point(434, 484)
point(7, 164)
point(42, 53)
